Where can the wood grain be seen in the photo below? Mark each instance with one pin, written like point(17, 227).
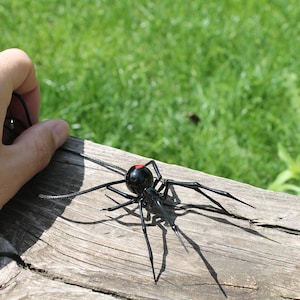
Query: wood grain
point(76, 249)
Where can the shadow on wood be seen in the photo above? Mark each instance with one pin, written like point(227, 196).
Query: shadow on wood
point(76, 248)
point(26, 217)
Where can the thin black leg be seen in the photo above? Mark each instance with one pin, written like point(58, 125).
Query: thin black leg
point(97, 161)
point(171, 223)
point(71, 195)
point(155, 167)
point(144, 228)
point(132, 199)
point(197, 187)
point(123, 194)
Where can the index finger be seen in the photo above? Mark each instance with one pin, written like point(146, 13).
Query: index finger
point(17, 74)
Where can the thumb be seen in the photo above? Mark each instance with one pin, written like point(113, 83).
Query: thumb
point(33, 149)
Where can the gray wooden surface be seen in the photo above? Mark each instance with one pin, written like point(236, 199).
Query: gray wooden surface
point(76, 249)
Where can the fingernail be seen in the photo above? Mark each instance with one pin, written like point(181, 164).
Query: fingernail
point(60, 133)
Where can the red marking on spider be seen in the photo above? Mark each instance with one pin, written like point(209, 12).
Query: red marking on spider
point(139, 166)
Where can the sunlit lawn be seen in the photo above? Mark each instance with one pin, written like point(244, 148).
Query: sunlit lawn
point(129, 73)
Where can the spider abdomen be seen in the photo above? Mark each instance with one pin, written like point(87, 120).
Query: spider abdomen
point(138, 178)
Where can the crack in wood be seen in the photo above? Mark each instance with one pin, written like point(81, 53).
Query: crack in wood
point(278, 227)
point(27, 266)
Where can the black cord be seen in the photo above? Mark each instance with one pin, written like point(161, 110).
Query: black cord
point(22, 101)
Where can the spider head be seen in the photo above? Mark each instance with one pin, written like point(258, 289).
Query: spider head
point(138, 178)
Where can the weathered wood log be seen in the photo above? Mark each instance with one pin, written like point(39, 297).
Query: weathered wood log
point(76, 248)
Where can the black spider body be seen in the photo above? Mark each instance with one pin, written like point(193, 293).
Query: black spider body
point(139, 178)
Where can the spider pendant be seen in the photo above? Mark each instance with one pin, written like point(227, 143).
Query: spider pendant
point(148, 190)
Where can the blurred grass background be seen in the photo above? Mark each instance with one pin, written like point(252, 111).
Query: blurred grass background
point(132, 74)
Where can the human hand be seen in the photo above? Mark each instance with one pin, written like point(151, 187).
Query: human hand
point(32, 150)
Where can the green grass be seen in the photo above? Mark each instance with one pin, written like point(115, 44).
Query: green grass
point(127, 73)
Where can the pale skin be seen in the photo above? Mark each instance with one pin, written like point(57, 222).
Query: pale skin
point(32, 150)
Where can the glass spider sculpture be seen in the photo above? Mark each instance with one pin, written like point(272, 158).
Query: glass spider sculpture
point(147, 190)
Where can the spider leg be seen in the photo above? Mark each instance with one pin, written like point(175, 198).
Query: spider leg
point(197, 187)
point(144, 228)
point(131, 198)
point(155, 167)
point(123, 194)
point(171, 223)
point(70, 195)
point(97, 161)
point(131, 201)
